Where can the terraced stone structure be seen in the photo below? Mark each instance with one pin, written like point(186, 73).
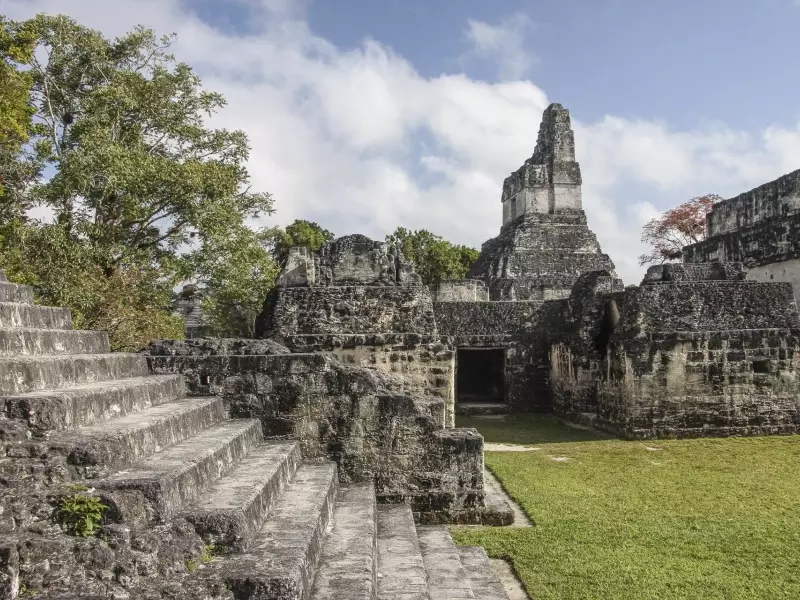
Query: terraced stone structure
point(545, 243)
point(498, 320)
point(202, 503)
point(760, 229)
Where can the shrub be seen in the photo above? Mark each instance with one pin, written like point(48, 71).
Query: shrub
point(81, 514)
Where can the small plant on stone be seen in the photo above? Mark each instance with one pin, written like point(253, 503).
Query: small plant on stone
point(208, 554)
point(81, 513)
point(191, 565)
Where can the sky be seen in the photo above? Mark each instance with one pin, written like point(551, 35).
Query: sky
point(365, 115)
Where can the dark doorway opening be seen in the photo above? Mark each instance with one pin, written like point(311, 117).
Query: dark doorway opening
point(480, 375)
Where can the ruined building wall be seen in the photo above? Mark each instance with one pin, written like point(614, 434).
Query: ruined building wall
point(350, 310)
point(768, 202)
point(682, 357)
point(419, 365)
point(352, 415)
point(760, 229)
point(575, 329)
point(512, 326)
point(460, 290)
point(365, 378)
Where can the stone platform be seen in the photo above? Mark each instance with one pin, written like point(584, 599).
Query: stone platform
point(200, 505)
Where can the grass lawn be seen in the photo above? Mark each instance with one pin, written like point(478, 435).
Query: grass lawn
point(700, 519)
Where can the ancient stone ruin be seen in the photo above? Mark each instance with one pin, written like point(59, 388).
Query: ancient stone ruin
point(239, 468)
point(545, 243)
point(321, 460)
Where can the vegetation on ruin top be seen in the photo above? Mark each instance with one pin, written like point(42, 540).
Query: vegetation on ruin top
point(701, 518)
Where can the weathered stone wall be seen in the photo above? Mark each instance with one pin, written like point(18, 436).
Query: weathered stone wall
point(771, 201)
point(707, 306)
point(486, 318)
point(351, 415)
point(539, 257)
point(697, 358)
point(414, 364)
point(348, 310)
point(516, 327)
point(689, 384)
point(549, 181)
point(769, 249)
point(461, 290)
point(686, 272)
point(573, 381)
point(578, 331)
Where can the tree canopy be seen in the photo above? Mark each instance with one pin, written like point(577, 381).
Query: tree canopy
point(678, 227)
point(142, 190)
point(17, 42)
point(299, 233)
point(434, 258)
point(138, 171)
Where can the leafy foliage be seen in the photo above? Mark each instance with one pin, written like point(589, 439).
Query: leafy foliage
point(16, 48)
point(139, 179)
point(208, 553)
point(299, 233)
point(434, 258)
point(132, 303)
point(236, 273)
point(139, 174)
point(676, 228)
point(81, 514)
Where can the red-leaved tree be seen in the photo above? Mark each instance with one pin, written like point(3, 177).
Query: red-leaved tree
point(676, 228)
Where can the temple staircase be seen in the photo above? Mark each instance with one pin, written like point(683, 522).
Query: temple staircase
point(281, 528)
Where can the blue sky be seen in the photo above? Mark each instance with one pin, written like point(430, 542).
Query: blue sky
point(685, 60)
point(368, 114)
point(680, 60)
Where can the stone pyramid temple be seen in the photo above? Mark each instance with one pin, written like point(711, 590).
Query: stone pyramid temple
point(545, 243)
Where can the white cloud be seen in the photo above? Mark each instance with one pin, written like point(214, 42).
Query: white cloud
point(361, 142)
point(504, 43)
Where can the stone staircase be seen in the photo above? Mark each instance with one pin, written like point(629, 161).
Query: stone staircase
point(70, 410)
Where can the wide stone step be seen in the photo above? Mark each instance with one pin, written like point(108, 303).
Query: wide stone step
point(16, 314)
point(231, 512)
point(281, 563)
point(483, 580)
point(60, 410)
point(28, 342)
point(13, 292)
point(118, 443)
point(401, 570)
point(446, 576)
point(172, 479)
point(347, 567)
point(20, 374)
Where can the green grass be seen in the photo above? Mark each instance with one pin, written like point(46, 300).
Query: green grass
point(699, 519)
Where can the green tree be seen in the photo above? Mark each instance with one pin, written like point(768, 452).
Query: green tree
point(17, 42)
point(236, 273)
point(133, 304)
point(138, 172)
point(434, 258)
point(299, 233)
point(139, 177)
